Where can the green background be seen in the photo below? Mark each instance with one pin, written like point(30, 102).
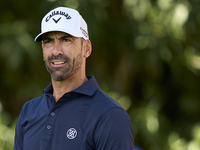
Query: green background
point(145, 55)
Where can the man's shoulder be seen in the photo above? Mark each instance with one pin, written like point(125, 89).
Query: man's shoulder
point(33, 102)
point(104, 99)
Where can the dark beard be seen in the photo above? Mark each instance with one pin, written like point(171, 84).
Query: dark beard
point(61, 73)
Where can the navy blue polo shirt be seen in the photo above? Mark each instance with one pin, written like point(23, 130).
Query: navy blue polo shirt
point(83, 119)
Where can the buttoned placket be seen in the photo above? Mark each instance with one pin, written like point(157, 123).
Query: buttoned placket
point(53, 115)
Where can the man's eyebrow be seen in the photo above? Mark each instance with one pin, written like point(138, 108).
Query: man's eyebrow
point(60, 38)
point(65, 36)
point(46, 38)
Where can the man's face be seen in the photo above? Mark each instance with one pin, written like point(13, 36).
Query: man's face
point(62, 55)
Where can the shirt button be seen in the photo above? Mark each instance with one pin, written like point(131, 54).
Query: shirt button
point(49, 127)
point(53, 114)
point(68, 94)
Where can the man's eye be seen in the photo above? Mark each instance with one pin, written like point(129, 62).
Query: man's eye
point(47, 41)
point(66, 40)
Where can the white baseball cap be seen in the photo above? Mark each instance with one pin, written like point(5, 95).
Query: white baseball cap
point(65, 20)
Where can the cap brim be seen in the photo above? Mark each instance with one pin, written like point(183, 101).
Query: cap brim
point(39, 37)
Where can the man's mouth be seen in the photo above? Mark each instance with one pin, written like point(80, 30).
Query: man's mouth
point(58, 62)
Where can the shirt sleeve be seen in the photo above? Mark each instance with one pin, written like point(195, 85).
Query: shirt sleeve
point(18, 141)
point(114, 131)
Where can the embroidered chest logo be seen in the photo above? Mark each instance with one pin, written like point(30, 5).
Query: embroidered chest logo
point(71, 133)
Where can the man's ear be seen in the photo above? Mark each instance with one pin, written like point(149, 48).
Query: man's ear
point(87, 48)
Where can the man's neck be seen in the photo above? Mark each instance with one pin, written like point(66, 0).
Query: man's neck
point(68, 85)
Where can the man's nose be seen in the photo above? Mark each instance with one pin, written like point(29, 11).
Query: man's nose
point(57, 50)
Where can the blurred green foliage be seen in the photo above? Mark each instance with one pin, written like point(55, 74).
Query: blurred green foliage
point(145, 55)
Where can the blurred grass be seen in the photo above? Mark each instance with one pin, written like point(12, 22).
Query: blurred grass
point(7, 129)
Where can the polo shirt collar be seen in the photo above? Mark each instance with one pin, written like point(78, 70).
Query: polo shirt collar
point(88, 88)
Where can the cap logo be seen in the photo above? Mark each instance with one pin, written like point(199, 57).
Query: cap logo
point(84, 32)
point(57, 13)
point(56, 21)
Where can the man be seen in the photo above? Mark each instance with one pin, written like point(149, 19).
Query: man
point(73, 113)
